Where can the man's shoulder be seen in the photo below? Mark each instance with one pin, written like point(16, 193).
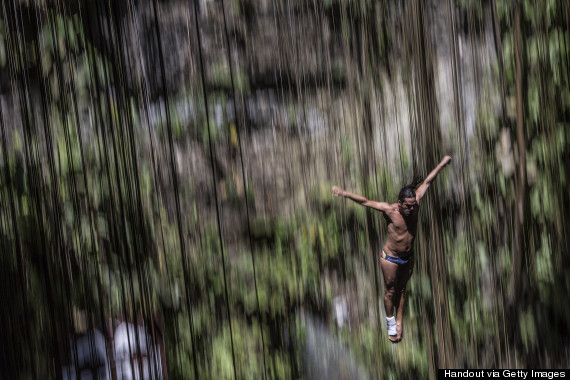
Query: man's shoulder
point(393, 207)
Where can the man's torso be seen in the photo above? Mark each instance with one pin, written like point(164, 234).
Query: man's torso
point(401, 232)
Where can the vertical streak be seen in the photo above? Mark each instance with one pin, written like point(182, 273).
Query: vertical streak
point(205, 94)
point(175, 184)
point(238, 129)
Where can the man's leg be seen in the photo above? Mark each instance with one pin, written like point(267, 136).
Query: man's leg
point(403, 275)
point(389, 272)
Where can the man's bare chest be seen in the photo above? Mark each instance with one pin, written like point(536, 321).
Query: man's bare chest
point(400, 230)
point(400, 227)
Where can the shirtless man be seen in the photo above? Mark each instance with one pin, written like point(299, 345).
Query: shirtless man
point(397, 258)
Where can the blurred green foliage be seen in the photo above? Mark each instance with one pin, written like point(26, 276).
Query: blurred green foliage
point(87, 223)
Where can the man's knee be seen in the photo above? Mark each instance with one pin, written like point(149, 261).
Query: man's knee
point(389, 292)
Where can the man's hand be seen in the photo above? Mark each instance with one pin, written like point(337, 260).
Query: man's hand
point(446, 160)
point(336, 191)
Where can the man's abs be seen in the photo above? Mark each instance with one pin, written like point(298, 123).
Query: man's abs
point(400, 239)
point(400, 247)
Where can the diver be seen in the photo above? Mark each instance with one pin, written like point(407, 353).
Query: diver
point(397, 257)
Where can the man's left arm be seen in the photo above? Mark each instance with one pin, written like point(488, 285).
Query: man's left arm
point(420, 192)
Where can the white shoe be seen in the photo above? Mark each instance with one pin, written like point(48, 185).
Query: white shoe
point(391, 326)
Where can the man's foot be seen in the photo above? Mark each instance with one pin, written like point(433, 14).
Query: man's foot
point(398, 332)
point(392, 329)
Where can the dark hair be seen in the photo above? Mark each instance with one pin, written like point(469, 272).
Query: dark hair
point(409, 191)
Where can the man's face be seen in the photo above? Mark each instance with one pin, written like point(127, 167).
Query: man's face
point(407, 206)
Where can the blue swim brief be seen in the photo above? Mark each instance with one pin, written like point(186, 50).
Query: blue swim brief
point(396, 260)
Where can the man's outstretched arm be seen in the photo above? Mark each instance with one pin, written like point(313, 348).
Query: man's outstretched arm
point(420, 192)
point(381, 206)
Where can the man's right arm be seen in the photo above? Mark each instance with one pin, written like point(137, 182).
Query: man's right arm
point(381, 206)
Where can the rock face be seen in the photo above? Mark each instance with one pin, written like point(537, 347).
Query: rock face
point(270, 46)
point(307, 95)
point(304, 95)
